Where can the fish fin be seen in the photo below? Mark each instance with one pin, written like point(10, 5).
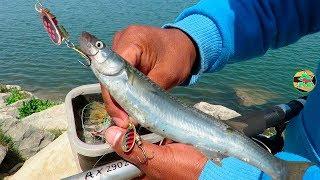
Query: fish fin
point(296, 170)
point(215, 156)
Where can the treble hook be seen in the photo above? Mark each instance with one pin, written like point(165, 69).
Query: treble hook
point(145, 155)
point(78, 50)
point(38, 6)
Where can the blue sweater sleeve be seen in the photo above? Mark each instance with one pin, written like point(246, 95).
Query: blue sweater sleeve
point(227, 31)
point(233, 168)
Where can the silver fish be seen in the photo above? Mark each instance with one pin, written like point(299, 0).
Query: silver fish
point(158, 111)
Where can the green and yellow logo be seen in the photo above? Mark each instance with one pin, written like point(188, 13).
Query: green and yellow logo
point(304, 81)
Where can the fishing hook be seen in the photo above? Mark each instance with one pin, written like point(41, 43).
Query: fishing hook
point(144, 153)
point(38, 6)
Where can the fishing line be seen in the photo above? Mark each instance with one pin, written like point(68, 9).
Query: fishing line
point(58, 33)
point(98, 160)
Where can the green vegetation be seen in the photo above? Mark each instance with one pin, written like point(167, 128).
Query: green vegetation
point(33, 106)
point(270, 132)
point(13, 155)
point(7, 141)
point(56, 132)
point(15, 95)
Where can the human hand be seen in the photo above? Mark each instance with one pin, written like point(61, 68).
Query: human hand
point(170, 161)
point(166, 56)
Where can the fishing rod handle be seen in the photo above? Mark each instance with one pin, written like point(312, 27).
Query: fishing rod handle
point(117, 170)
point(257, 122)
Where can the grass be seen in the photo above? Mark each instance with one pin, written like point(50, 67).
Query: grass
point(14, 96)
point(56, 132)
point(270, 132)
point(7, 141)
point(34, 106)
point(13, 155)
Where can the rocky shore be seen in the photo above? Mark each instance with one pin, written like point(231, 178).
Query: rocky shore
point(37, 146)
point(22, 138)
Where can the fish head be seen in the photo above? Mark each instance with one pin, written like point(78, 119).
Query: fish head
point(90, 45)
point(102, 58)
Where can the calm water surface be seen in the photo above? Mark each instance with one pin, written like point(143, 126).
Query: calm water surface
point(29, 59)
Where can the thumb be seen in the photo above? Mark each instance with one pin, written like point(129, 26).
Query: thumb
point(114, 136)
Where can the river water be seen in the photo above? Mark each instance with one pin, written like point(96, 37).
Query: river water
point(29, 59)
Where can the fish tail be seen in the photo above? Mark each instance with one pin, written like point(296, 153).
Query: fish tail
point(296, 170)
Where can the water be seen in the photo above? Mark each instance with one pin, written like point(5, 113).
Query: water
point(29, 59)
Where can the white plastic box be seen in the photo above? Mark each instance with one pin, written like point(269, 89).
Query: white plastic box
point(89, 154)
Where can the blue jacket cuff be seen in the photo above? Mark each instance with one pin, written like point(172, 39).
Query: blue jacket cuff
point(206, 36)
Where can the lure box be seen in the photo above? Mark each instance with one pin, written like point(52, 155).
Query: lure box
point(90, 155)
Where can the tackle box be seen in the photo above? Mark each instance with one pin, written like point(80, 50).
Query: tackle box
point(90, 155)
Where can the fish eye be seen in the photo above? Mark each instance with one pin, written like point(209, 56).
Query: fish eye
point(99, 44)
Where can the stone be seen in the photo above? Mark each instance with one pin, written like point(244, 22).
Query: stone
point(49, 119)
point(55, 161)
point(47, 139)
point(3, 152)
point(252, 96)
point(2, 99)
point(7, 123)
point(13, 87)
point(28, 139)
point(5, 116)
point(15, 168)
point(32, 144)
point(17, 131)
point(217, 111)
point(12, 110)
point(8, 112)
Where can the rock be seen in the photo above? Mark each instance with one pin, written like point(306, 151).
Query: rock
point(28, 139)
point(3, 96)
point(17, 131)
point(13, 87)
point(5, 116)
point(15, 168)
point(3, 152)
point(47, 139)
point(49, 119)
point(8, 112)
point(32, 144)
point(251, 97)
point(7, 123)
point(12, 109)
point(2, 99)
point(55, 161)
point(217, 111)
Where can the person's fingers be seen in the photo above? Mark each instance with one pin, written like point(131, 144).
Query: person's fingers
point(166, 141)
point(117, 114)
point(158, 160)
point(116, 39)
point(163, 77)
point(136, 156)
point(131, 52)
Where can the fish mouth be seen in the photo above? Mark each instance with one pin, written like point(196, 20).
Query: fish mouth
point(87, 44)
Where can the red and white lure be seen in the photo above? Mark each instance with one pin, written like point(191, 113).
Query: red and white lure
point(56, 32)
point(129, 139)
point(132, 138)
